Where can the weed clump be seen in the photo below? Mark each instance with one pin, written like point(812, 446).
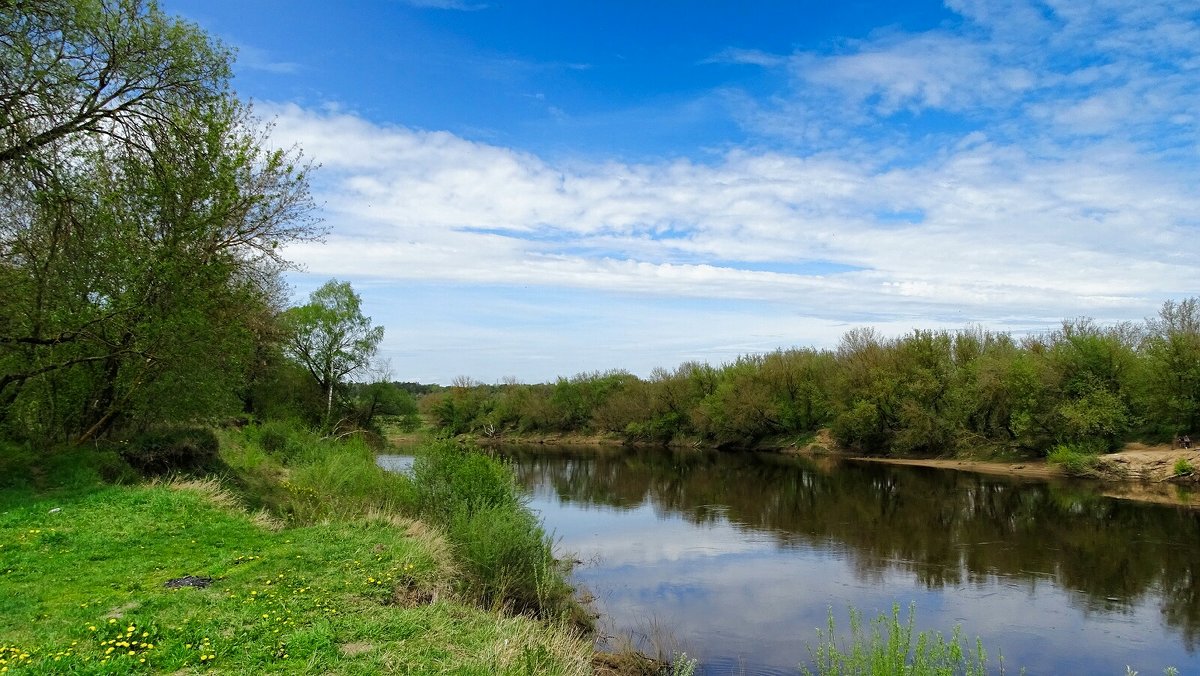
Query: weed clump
point(1075, 459)
point(888, 646)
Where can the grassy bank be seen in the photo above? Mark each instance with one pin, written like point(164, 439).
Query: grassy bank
point(305, 556)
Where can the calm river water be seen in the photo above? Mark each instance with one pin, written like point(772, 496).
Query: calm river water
point(737, 559)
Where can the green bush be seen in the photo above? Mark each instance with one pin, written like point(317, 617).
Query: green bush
point(348, 480)
point(181, 449)
point(22, 467)
point(451, 479)
point(1182, 466)
point(288, 441)
point(1076, 459)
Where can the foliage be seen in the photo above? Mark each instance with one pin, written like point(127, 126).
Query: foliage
point(1183, 467)
point(175, 450)
point(507, 555)
point(144, 214)
point(1171, 354)
point(891, 648)
point(330, 337)
point(923, 393)
point(1075, 459)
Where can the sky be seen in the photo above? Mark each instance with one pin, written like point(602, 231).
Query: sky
point(538, 189)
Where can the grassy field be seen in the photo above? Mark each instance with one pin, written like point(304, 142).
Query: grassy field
point(305, 578)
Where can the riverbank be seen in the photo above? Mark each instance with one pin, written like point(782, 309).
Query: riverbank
point(293, 555)
point(1146, 473)
point(1137, 472)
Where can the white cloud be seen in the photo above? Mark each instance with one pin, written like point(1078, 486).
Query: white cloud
point(1064, 185)
point(996, 227)
point(914, 72)
point(747, 57)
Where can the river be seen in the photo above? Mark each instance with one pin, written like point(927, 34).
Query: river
point(738, 559)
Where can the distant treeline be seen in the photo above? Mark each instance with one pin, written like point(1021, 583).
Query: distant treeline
point(928, 392)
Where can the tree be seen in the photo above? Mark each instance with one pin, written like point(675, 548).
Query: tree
point(113, 67)
point(139, 243)
point(1171, 380)
point(330, 337)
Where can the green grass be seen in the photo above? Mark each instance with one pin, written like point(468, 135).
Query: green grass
point(82, 591)
point(315, 568)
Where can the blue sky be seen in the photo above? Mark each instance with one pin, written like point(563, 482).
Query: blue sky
point(528, 190)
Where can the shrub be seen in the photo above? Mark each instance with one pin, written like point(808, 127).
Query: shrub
point(182, 449)
point(21, 467)
point(452, 479)
point(286, 440)
point(1076, 459)
point(1182, 466)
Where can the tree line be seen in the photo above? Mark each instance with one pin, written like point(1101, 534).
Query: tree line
point(1087, 386)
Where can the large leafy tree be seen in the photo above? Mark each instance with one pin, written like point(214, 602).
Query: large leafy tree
point(1171, 352)
point(331, 338)
point(139, 249)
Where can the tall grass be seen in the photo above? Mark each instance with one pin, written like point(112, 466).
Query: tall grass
point(888, 647)
point(504, 554)
point(501, 544)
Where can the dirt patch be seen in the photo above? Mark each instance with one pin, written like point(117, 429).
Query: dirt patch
point(1033, 469)
point(357, 648)
point(409, 595)
point(627, 663)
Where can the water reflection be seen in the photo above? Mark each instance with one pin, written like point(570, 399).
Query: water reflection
point(740, 556)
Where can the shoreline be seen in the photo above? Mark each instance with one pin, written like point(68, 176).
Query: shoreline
point(1138, 472)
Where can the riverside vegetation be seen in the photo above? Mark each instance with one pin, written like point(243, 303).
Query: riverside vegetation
point(1070, 394)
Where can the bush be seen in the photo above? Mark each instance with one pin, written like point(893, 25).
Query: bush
point(21, 467)
point(347, 480)
point(183, 449)
point(1182, 466)
point(286, 441)
point(1076, 459)
point(452, 479)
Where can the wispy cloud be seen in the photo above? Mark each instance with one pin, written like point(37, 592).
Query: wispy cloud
point(259, 59)
point(747, 57)
point(457, 5)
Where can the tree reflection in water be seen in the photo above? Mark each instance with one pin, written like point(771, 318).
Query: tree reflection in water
point(945, 528)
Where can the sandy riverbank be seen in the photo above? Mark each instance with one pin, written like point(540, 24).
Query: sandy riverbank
point(1136, 472)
